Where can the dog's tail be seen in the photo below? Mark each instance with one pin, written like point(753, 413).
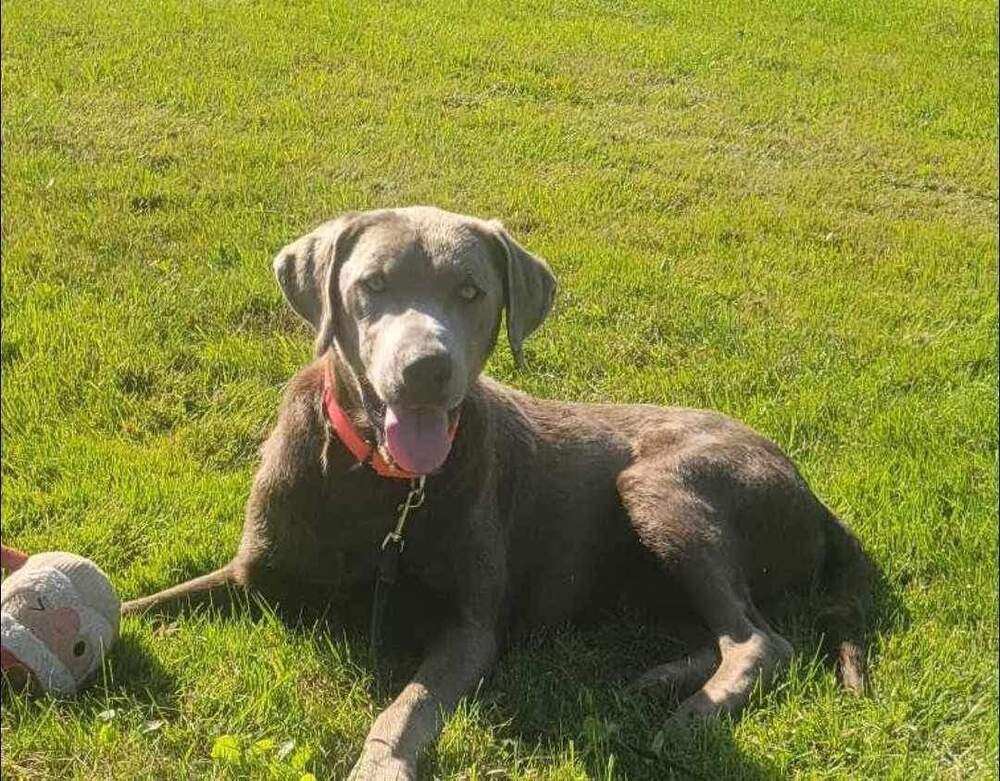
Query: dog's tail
point(848, 580)
point(215, 587)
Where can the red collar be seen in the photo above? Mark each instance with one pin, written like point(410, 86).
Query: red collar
point(357, 445)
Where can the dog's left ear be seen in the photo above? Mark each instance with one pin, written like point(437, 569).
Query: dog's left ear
point(529, 290)
point(306, 269)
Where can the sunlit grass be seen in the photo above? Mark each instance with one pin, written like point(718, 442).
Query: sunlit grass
point(786, 212)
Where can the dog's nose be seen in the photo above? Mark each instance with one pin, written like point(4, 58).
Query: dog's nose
point(428, 374)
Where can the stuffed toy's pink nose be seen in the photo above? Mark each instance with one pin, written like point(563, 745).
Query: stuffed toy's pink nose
point(55, 627)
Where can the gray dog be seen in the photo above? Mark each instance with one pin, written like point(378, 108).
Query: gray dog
point(528, 509)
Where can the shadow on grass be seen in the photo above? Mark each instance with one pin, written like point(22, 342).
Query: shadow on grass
point(135, 672)
point(131, 676)
point(560, 696)
point(568, 688)
point(559, 691)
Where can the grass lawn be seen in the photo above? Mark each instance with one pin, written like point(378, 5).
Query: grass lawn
point(783, 211)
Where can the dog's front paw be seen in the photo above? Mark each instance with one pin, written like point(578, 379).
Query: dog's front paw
point(378, 763)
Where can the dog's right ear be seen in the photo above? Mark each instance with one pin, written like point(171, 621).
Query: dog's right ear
point(306, 273)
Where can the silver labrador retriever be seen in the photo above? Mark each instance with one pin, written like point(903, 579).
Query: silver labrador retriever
point(531, 508)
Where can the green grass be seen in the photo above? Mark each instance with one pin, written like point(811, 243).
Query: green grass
point(783, 211)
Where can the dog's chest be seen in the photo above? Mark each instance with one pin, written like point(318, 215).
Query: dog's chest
point(340, 542)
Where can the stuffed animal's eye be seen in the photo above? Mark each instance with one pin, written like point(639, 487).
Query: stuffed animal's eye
point(375, 283)
point(469, 292)
point(79, 648)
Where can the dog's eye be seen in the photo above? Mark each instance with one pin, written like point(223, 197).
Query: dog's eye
point(79, 648)
point(469, 292)
point(375, 283)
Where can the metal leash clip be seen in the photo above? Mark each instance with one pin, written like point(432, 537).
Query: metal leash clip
point(414, 499)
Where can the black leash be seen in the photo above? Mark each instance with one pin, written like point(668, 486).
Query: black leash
point(388, 565)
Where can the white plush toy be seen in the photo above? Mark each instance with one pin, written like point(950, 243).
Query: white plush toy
point(59, 616)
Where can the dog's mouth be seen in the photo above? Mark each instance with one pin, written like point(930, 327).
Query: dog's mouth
point(415, 438)
point(418, 439)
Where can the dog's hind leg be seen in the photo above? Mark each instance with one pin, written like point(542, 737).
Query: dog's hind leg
point(751, 653)
point(680, 677)
point(690, 541)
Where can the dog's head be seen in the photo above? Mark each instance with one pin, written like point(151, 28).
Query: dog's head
point(411, 300)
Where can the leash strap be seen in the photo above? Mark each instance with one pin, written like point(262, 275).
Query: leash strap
point(388, 564)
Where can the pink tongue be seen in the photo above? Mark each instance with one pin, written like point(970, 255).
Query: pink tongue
point(418, 440)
